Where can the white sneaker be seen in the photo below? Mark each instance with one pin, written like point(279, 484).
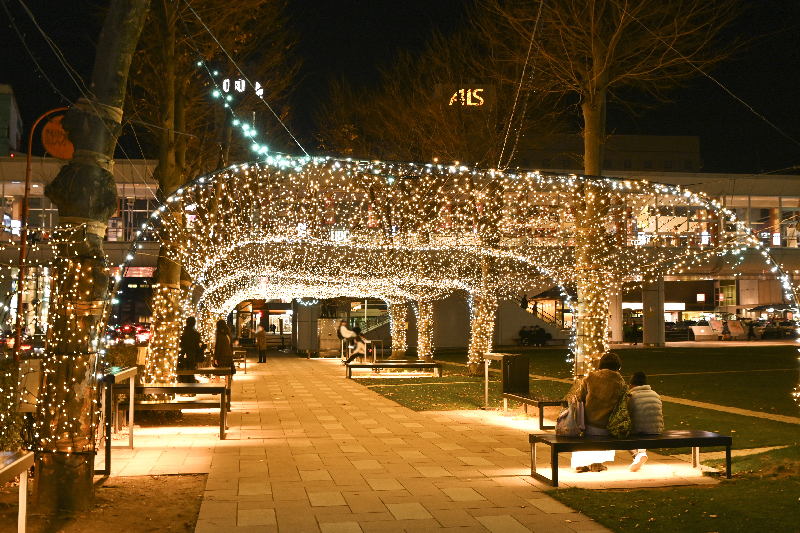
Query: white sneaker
point(638, 461)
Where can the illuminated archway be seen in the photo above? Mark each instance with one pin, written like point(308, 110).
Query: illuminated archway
point(406, 231)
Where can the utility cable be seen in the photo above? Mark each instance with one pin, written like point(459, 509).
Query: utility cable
point(709, 76)
point(278, 118)
point(519, 89)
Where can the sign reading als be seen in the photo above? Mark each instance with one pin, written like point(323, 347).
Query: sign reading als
point(471, 96)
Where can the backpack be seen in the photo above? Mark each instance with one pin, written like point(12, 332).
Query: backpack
point(619, 423)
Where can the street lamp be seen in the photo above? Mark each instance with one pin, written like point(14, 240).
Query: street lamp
point(23, 236)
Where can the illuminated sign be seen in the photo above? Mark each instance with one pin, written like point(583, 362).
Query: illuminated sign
point(239, 85)
point(469, 97)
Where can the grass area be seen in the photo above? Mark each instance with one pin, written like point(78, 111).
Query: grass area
point(762, 496)
point(459, 391)
point(764, 377)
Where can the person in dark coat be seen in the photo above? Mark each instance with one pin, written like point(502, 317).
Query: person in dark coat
point(223, 348)
point(751, 330)
point(190, 345)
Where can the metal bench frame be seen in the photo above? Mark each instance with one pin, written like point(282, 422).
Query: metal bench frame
point(668, 439)
point(538, 401)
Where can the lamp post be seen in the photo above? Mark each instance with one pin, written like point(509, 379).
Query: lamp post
point(23, 235)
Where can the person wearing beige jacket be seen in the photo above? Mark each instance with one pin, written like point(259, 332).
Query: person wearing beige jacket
point(600, 392)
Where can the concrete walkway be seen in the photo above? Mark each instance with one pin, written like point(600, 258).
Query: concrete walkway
point(310, 451)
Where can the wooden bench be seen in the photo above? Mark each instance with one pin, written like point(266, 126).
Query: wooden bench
point(174, 405)
point(13, 464)
point(668, 439)
point(529, 399)
point(226, 372)
point(397, 365)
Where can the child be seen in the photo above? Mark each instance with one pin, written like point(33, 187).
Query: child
point(644, 407)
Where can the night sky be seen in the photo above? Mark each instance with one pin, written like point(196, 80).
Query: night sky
point(354, 38)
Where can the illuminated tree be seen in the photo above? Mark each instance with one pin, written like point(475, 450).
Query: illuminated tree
point(180, 65)
point(86, 195)
point(598, 49)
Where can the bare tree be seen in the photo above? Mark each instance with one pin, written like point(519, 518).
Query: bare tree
point(86, 196)
point(595, 49)
point(451, 102)
point(182, 61)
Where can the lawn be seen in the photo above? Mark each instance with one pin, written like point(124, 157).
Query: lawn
point(758, 378)
point(762, 496)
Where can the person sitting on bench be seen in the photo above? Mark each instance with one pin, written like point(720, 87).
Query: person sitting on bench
point(190, 344)
point(600, 392)
point(223, 351)
point(361, 346)
point(345, 334)
point(644, 407)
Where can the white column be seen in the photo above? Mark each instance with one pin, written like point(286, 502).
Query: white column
point(615, 318)
point(653, 313)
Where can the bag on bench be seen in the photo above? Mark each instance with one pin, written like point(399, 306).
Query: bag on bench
point(619, 423)
point(570, 421)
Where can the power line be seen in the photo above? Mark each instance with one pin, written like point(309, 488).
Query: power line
point(709, 76)
point(278, 118)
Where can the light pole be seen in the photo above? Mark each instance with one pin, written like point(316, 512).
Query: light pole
point(23, 235)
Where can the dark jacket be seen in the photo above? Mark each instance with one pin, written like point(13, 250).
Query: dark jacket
point(223, 353)
point(190, 345)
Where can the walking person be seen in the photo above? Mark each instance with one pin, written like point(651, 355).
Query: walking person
point(261, 344)
point(634, 333)
point(223, 348)
point(190, 345)
point(751, 330)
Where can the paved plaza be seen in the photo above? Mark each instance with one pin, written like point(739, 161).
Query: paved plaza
point(308, 450)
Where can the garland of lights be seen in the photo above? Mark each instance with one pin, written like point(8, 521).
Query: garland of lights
point(334, 220)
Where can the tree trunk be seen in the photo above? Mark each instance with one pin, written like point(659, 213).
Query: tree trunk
point(424, 311)
point(484, 308)
point(162, 357)
point(590, 245)
point(86, 195)
point(398, 322)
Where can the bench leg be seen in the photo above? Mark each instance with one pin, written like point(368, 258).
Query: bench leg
point(695, 457)
point(222, 412)
point(533, 459)
point(22, 514)
point(505, 406)
point(130, 415)
point(525, 408)
point(728, 461)
point(541, 417)
point(554, 465)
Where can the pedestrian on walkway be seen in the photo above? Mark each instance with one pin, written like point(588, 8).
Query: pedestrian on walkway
point(751, 330)
point(644, 407)
point(261, 344)
point(223, 349)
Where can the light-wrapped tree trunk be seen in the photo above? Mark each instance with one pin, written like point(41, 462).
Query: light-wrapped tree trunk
point(398, 322)
point(86, 195)
point(423, 308)
point(484, 309)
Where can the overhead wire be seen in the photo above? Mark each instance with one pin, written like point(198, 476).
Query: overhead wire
point(519, 89)
point(250, 83)
point(709, 76)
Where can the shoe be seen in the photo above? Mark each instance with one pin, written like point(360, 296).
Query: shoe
point(638, 461)
point(582, 469)
point(598, 467)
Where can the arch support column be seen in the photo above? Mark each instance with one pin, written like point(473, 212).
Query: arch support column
point(398, 323)
point(423, 308)
point(163, 352)
point(653, 333)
